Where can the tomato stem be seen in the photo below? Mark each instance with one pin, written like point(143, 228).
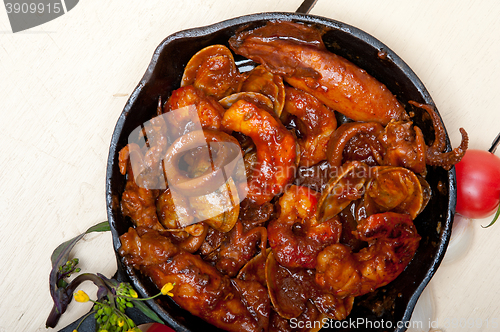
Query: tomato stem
point(494, 145)
point(494, 219)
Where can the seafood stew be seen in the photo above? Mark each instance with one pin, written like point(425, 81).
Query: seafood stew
point(270, 213)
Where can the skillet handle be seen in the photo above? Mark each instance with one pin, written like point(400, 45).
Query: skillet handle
point(306, 6)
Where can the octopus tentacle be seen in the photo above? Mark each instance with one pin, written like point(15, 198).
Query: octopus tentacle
point(435, 155)
point(342, 136)
point(448, 159)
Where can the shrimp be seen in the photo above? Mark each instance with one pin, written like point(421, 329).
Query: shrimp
point(316, 123)
point(296, 237)
point(275, 145)
point(297, 52)
point(392, 239)
point(208, 109)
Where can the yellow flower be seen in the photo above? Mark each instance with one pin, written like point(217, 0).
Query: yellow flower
point(165, 290)
point(121, 322)
point(133, 293)
point(81, 296)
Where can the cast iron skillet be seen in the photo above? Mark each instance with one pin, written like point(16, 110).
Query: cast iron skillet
point(393, 303)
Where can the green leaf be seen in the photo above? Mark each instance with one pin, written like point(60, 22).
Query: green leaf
point(100, 227)
point(148, 312)
point(61, 253)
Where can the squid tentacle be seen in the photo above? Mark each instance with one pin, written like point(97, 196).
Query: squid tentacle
point(435, 155)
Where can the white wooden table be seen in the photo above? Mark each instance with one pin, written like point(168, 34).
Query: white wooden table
point(63, 85)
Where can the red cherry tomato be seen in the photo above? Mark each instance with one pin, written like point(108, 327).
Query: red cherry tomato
point(156, 327)
point(478, 184)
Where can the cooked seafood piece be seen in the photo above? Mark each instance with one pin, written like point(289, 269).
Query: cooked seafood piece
point(256, 98)
point(392, 240)
point(403, 145)
point(230, 304)
point(275, 147)
point(221, 154)
point(314, 125)
point(239, 247)
point(188, 102)
point(296, 51)
point(213, 71)
point(345, 186)
point(255, 269)
point(346, 132)
point(435, 154)
point(399, 143)
point(262, 81)
point(296, 236)
point(395, 189)
point(171, 213)
point(292, 291)
point(220, 208)
point(138, 203)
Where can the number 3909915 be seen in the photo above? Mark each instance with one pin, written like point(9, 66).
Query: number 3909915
point(32, 8)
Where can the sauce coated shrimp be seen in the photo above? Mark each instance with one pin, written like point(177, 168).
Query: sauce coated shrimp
point(296, 237)
point(392, 239)
point(276, 153)
point(316, 123)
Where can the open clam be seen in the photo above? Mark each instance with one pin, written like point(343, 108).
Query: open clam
point(394, 189)
point(343, 188)
point(213, 70)
point(262, 81)
point(219, 208)
point(290, 301)
point(256, 98)
point(255, 269)
point(383, 188)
